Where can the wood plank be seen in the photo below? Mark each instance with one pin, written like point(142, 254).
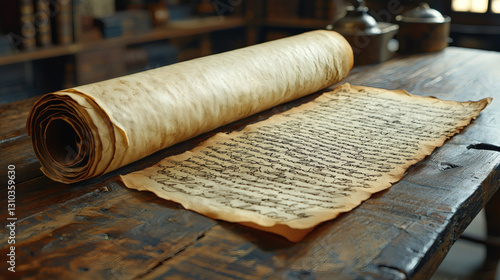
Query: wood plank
point(108, 232)
point(451, 74)
point(230, 251)
point(14, 116)
point(19, 153)
point(41, 193)
point(15, 145)
point(449, 189)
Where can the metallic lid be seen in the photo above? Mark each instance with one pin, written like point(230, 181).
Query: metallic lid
point(423, 14)
point(357, 19)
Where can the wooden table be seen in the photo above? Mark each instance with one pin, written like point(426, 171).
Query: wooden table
point(99, 229)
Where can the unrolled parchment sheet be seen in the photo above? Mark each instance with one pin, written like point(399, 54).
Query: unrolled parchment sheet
point(302, 167)
point(89, 130)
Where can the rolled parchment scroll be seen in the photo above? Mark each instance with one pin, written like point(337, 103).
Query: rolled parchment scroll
point(86, 131)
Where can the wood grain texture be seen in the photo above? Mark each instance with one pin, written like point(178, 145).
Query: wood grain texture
point(14, 117)
point(102, 232)
point(98, 229)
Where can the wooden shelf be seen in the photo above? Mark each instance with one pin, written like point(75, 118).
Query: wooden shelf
point(174, 29)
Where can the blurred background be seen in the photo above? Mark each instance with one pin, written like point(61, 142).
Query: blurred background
point(48, 45)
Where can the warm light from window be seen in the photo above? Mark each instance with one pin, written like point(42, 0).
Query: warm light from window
point(461, 5)
point(475, 6)
point(495, 6)
point(479, 6)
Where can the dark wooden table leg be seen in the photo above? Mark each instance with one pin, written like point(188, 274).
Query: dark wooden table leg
point(490, 264)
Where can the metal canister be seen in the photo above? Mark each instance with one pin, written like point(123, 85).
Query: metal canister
point(423, 29)
point(369, 39)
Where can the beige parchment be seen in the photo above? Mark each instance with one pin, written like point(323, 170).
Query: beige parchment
point(89, 130)
point(302, 167)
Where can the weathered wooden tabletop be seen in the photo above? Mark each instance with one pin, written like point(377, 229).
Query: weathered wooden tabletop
point(99, 229)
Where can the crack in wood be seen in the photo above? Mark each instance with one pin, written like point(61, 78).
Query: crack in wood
point(162, 262)
point(14, 138)
point(304, 274)
point(395, 268)
point(447, 165)
point(484, 146)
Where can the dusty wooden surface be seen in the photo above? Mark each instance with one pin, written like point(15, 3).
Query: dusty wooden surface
point(99, 229)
